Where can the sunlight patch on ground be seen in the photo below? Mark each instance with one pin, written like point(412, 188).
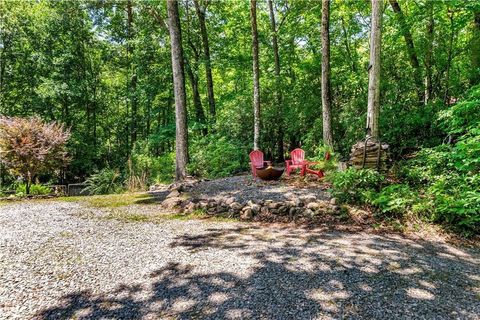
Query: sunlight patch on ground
point(419, 294)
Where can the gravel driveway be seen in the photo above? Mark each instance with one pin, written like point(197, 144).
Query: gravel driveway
point(55, 263)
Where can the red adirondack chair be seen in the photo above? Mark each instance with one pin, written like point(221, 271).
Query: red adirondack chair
point(298, 157)
point(256, 161)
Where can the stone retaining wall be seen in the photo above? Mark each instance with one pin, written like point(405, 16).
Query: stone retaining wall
point(180, 200)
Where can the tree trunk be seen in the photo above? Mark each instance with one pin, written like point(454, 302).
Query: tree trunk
point(208, 64)
point(133, 76)
point(429, 53)
point(197, 101)
point(181, 133)
point(278, 86)
point(256, 75)
point(475, 49)
point(326, 98)
point(412, 55)
point(373, 109)
point(446, 97)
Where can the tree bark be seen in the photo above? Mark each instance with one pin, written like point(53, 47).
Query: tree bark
point(475, 48)
point(373, 109)
point(197, 101)
point(256, 76)
point(132, 86)
point(326, 93)
point(412, 55)
point(446, 97)
point(278, 86)
point(181, 133)
point(206, 52)
point(429, 53)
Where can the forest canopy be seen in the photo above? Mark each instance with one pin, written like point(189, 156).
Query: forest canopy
point(103, 69)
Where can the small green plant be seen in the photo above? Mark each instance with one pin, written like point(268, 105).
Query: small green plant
point(103, 182)
point(35, 189)
point(354, 186)
point(395, 199)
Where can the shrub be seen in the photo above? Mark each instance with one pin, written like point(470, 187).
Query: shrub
point(35, 189)
point(103, 182)
point(395, 199)
point(215, 156)
point(29, 146)
point(354, 186)
point(147, 169)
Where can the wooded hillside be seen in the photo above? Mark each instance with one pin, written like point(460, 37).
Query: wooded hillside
point(104, 69)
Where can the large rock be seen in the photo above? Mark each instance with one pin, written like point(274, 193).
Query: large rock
point(236, 206)
point(172, 203)
point(228, 201)
point(255, 208)
point(307, 199)
point(247, 214)
point(174, 194)
point(313, 206)
point(190, 207)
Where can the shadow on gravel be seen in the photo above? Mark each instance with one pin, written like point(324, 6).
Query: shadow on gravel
point(326, 275)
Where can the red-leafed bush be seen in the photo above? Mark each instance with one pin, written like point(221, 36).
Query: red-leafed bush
point(29, 146)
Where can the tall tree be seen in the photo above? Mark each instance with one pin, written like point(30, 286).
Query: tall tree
point(429, 52)
point(475, 47)
point(326, 97)
point(373, 109)
point(412, 55)
point(200, 9)
point(278, 86)
point(132, 81)
point(181, 133)
point(256, 75)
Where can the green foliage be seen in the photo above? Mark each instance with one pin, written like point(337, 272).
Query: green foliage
point(440, 184)
point(394, 199)
point(354, 186)
point(214, 157)
point(103, 182)
point(157, 169)
point(35, 189)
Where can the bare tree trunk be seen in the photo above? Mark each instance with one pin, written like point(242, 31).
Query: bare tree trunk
point(256, 75)
point(475, 49)
point(197, 101)
point(208, 64)
point(407, 35)
point(446, 97)
point(429, 53)
point(373, 109)
point(278, 86)
point(326, 97)
point(181, 133)
point(133, 76)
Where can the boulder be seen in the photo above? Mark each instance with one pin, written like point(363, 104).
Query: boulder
point(228, 201)
point(247, 214)
point(333, 201)
point(308, 213)
point(313, 206)
point(174, 194)
point(236, 206)
point(190, 207)
point(255, 208)
point(171, 203)
point(307, 199)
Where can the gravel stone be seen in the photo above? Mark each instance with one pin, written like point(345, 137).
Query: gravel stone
point(64, 261)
